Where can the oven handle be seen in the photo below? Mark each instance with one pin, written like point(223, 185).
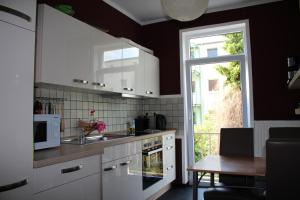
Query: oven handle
point(152, 152)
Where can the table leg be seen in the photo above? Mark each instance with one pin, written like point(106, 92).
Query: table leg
point(195, 185)
point(212, 179)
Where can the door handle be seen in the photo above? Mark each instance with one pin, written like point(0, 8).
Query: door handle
point(80, 81)
point(170, 147)
point(110, 168)
point(125, 163)
point(128, 89)
point(15, 12)
point(98, 84)
point(149, 92)
point(71, 169)
point(12, 186)
point(169, 137)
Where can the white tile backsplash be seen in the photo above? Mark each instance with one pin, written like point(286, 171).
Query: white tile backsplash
point(114, 111)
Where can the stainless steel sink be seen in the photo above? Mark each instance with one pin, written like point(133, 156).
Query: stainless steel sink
point(91, 139)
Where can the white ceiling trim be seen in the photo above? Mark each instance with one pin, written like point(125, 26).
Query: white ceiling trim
point(240, 5)
point(155, 21)
point(122, 10)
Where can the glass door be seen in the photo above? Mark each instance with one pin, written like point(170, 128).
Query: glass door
point(216, 103)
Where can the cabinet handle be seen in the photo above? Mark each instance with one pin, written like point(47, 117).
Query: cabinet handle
point(80, 81)
point(110, 168)
point(169, 137)
point(170, 147)
point(125, 163)
point(12, 186)
point(71, 169)
point(15, 12)
point(98, 84)
point(128, 89)
point(171, 167)
point(149, 92)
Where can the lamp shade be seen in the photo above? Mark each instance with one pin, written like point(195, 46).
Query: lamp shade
point(184, 10)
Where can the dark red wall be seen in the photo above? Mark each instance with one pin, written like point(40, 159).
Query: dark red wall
point(99, 14)
point(274, 31)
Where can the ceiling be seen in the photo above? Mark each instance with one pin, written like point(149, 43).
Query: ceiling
point(150, 11)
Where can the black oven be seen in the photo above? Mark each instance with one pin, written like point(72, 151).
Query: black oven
point(152, 161)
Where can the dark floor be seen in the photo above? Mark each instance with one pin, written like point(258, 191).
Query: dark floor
point(181, 193)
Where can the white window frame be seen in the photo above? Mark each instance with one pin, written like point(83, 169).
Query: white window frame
point(185, 73)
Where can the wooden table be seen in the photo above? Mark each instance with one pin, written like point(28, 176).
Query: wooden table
point(246, 166)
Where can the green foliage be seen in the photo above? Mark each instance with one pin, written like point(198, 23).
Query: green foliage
point(233, 45)
point(205, 143)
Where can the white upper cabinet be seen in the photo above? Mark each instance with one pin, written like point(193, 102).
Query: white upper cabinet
point(151, 71)
point(132, 67)
point(106, 62)
point(19, 12)
point(63, 49)
point(72, 53)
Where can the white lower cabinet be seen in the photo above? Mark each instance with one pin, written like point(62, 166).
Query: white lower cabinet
point(87, 188)
point(169, 158)
point(122, 172)
point(122, 179)
point(78, 179)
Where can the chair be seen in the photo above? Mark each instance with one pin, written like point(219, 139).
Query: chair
point(284, 132)
point(234, 142)
point(282, 169)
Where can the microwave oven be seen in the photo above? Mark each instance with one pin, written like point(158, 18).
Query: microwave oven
point(46, 131)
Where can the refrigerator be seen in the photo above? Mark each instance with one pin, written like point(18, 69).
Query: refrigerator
point(17, 44)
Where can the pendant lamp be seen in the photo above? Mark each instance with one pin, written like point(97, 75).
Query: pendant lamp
point(184, 10)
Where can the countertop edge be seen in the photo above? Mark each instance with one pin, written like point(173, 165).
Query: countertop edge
point(69, 152)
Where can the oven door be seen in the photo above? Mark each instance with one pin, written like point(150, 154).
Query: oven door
point(152, 166)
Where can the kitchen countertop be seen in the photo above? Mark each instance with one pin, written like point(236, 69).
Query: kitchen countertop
point(68, 152)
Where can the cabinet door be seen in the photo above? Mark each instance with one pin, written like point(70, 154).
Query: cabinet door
point(169, 158)
point(131, 177)
point(19, 12)
point(131, 63)
point(106, 62)
point(151, 76)
point(125, 175)
point(87, 188)
point(16, 86)
point(110, 181)
point(63, 49)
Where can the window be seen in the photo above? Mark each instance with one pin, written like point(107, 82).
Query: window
point(224, 87)
point(212, 52)
point(213, 85)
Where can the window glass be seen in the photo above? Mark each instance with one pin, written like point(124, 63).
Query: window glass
point(216, 45)
point(213, 85)
point(212, 52)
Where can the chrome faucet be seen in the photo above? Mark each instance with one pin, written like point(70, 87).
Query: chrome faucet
point(81, 137)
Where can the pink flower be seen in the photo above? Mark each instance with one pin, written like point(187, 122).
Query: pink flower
point(100, 126)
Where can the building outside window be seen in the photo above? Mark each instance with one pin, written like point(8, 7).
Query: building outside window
point(213, 52)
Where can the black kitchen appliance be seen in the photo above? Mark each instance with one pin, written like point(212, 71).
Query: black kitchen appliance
point(161, 122)
point(141, 123)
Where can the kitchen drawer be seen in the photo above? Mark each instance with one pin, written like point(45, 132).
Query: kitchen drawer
point(87, 188)
point(169, 139)
point(169, 173)
point(59, 174)
point(169, 155)
point(121, 151)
